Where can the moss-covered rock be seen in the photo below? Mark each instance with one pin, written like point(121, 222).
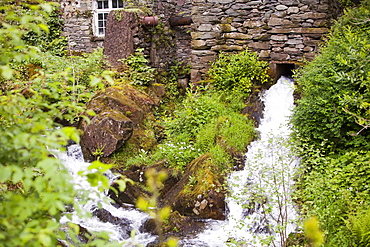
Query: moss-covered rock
point(119, 111)
point(199, 192)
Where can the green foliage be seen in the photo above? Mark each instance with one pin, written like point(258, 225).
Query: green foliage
point(35, 188)
point(335, 87)
point(359, 225)
point(313, 232)
point(204, 122)
point(139, 73)
point(50, 41)
point(238, 72)
point(334, 189)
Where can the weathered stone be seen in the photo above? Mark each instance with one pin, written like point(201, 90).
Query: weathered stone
point(292, 10)
point(253, 24)
point(227, 48)
point(199, 44)
point(259, 45)
point(264, 54)
point(205, 35)
point(183, 200)
point(225, 28)
point(236, 36)
point(106, 132)
point(279, 56)
point(279, 37)
point(281, 7)
point(290, 50)
point(205, 27)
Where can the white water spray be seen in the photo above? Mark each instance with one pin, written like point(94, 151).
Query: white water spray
point(260, 208)
point(127, 219)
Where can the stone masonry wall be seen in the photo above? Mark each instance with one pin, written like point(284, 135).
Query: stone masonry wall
point(78, 15)
point(279, 31)
point(283, 31)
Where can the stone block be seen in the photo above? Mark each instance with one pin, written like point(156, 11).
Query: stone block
point(313, 15)
point(199, 44)
point(278, 22)
point(253, 24)
point(205, 27)
point(259, 45)
point(279, 56)
point(236, 36)
point(291, 50)
point(293, 10)
point(279, 14)
point(221, 1)
point(294, 41)
point(279, 37)
point(226, 28)
point(204, 35)
point(227, 48)
point(264, 54)
point(281, 7)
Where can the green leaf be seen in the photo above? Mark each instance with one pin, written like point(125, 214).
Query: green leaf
point(44, 239)
point(17, 174)
point(6, 72)
point(5, 173)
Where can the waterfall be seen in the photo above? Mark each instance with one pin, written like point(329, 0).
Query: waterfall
point(118, 222)
point(260, 211)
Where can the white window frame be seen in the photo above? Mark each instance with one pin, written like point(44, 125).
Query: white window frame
point(103, 11)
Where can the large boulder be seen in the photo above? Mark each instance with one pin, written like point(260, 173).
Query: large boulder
point(119, 110)
point(106, 132)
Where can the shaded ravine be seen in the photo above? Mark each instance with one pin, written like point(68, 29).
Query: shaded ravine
point(259, 202)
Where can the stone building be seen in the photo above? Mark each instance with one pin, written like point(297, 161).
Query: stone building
point(283, 32)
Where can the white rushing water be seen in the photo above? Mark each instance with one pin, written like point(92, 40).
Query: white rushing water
point(259, 202)
point(125, 220)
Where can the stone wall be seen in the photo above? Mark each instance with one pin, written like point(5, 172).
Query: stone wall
point(282, 31)
point(78, 19)
point(279, 31)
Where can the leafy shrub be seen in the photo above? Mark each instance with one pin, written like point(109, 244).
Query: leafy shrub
point(138, 71)
point(50, 41)
point(359, 225)
point(238, 72)
point(35, 188)
point(335, 85)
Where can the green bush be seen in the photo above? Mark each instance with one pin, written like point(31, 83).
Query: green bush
point(138, 72)
point(238, 72)
point(335, 87)
point(335, 189)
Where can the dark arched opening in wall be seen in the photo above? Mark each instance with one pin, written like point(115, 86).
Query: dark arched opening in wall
point(279, 69)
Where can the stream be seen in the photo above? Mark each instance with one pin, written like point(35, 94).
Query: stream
point(259, 207)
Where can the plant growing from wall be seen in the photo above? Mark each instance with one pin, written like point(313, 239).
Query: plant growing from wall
point(238, 72)
point(139, 73)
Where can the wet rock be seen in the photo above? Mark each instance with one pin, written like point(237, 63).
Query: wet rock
point(106, 132)
point(200, 199)
point(123, 224)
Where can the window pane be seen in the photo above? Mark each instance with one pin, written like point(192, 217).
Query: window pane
point(101, 31)
point(114, 4)
point(102, 4)
point(120, 4)
point(100, 23)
